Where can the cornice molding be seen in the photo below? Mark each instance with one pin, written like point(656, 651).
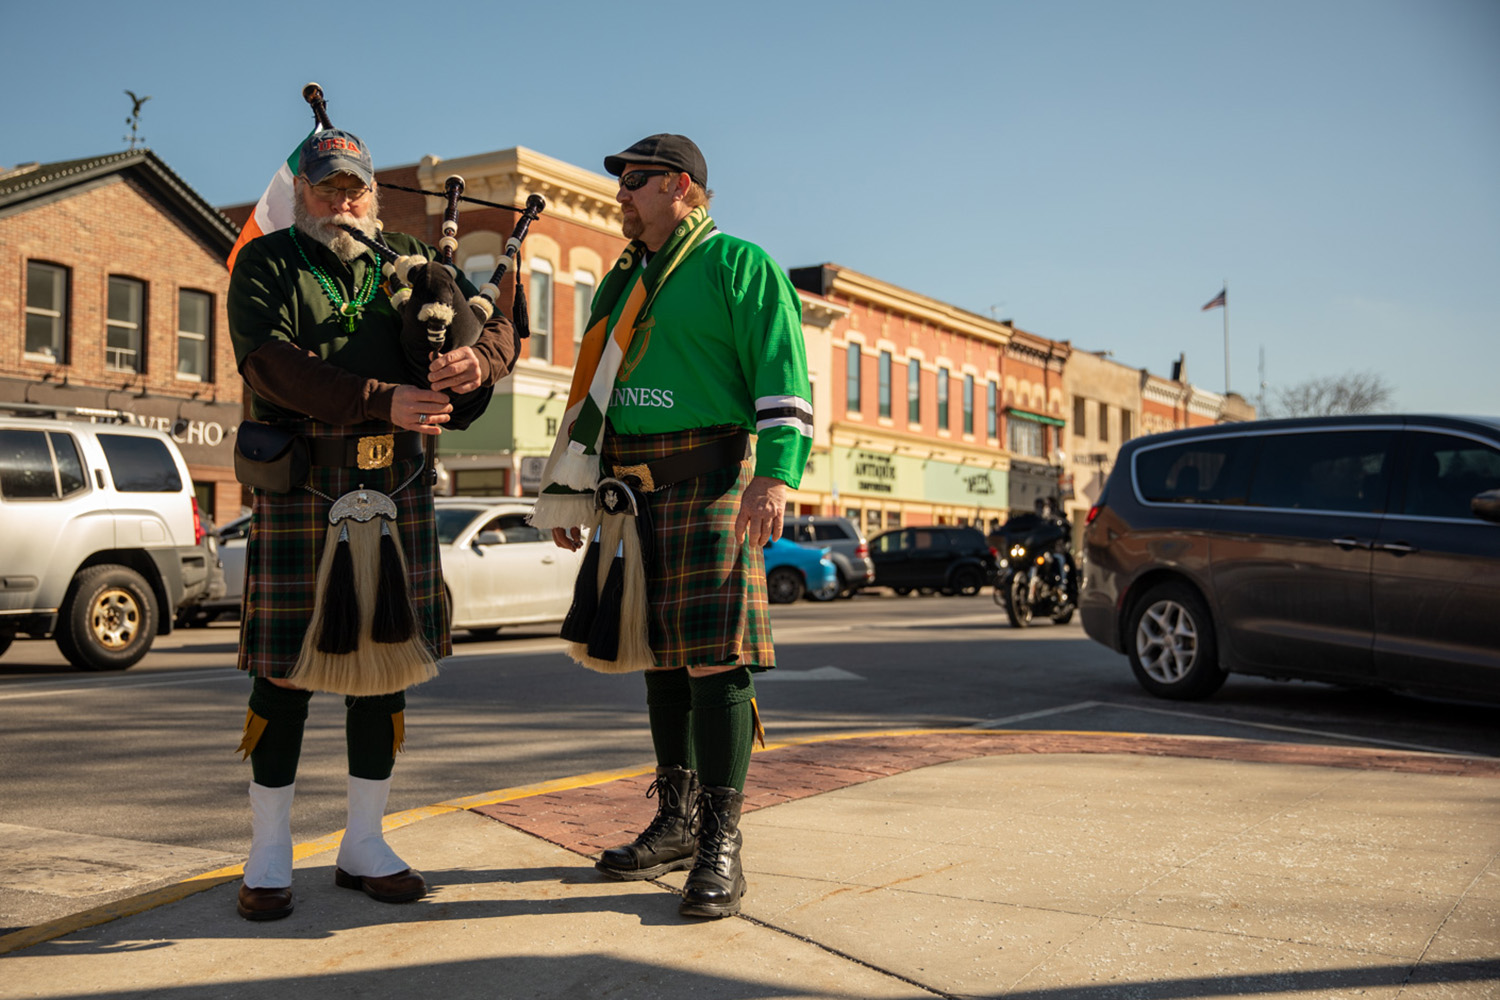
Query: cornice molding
point(820, 312)
point(863, 288)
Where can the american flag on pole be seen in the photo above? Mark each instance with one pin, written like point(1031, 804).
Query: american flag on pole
point(274, 210)
point(1222, 299)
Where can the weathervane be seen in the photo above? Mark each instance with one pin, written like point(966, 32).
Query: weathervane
point(134, 121)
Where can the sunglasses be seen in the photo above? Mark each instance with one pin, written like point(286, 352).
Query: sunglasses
point(636, 179)
point(333, 194)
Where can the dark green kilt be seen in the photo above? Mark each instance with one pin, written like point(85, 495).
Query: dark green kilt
point(287, 531)
point(707, 590)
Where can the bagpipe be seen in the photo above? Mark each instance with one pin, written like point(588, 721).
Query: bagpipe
point(436, 318)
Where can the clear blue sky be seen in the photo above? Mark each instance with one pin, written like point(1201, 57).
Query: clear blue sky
point(1091, 170)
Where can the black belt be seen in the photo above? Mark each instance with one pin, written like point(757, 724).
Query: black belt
point(372, 451)
point(663, 472)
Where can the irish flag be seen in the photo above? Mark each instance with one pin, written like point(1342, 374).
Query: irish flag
point(274, 210)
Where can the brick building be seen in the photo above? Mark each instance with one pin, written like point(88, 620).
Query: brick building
point(112, 285)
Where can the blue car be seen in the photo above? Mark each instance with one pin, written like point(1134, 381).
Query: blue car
point(793, 570)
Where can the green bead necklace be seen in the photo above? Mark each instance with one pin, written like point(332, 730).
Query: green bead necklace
point(350, 310)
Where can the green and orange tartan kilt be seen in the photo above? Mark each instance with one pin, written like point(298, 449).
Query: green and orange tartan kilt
point(707, 590)
point(287, 532)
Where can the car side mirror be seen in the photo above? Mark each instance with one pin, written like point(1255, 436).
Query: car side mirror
point(489, 538)
point(1486, 505)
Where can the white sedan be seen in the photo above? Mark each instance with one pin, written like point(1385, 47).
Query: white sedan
point(499, 570)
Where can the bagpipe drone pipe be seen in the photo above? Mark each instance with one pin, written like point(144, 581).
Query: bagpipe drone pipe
point(436, 317)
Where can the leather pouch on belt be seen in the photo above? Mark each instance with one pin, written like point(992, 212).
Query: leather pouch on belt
point(269, 457)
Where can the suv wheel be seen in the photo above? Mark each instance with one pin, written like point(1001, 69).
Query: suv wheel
point(784, 585)
point(1171, 643)
point(108, 620)
point(967, 580)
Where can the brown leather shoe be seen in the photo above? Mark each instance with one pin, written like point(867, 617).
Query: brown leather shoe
point(402, 887)
point(264, 904)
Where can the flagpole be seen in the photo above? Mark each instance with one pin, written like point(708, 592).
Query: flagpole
point(1225, 293)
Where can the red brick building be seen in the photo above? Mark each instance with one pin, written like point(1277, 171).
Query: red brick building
point(112, 286)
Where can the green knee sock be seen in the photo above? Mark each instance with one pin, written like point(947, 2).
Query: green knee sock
point(273, 759)
point(370, 733)
point(723, 727)
point(669, 706)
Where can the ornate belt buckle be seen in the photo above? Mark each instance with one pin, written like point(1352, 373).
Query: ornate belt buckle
point(640, 473)
point(376, 451)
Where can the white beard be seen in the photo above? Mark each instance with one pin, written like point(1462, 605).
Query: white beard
point(326, 229)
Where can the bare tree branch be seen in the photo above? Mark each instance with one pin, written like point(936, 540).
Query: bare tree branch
point(1331, 395)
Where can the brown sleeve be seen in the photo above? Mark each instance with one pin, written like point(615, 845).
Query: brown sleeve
point(297, 379)
point(496, 348)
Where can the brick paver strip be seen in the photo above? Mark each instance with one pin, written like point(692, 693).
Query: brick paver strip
point(590, 819)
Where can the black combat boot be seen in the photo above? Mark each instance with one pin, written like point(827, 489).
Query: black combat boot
point(666, 845)
point(716, 883)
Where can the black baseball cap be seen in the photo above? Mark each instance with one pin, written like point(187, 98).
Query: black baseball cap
point(666, 149)
point(333, 151)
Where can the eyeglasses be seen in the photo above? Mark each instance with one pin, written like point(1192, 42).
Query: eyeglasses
point(334, 194)
point(636, 179)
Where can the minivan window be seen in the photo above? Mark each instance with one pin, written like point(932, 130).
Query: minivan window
point(1209, 470)
point(1443, 472)
point(1324, 470)
point(140, 464)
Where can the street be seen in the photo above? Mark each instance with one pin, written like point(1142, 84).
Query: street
point(147, 755)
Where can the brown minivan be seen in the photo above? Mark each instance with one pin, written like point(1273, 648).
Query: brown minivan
point(1355, 550)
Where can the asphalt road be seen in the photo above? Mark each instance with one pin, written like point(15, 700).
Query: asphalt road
point(148, 755)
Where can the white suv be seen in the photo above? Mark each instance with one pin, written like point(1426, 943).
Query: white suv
point(99, 535)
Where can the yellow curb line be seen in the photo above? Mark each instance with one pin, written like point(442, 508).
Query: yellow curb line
point(208, 880)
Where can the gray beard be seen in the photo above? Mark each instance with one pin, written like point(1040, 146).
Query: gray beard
point(327, 232)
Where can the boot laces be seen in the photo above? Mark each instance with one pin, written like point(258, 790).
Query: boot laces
point(668, 806)
point(713, 841)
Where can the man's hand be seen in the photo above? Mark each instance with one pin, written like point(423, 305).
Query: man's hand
point(420, 410)
point(761, 508)
point(458, 371)
point(568, 538)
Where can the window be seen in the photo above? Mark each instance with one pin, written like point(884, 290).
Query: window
point(1103, 421)
point(1340, 471)
point(992, 410)
point(124, 328)
point(893, 519)
point(942, 398)
point(852, 513)
point(1027, 437)
point(194, 320)
point(46, 311)
point(39, 465)
point(478, 268)
point(140, 464)
point(884, 397)
point(1444, 472)
point(539, 305)
point(1080, 417)
point(1207, 471)
point(851, 391)
point(872, 520)
point(1125, 428)
point(583, 300)
point(968, 404)
point(914, 392)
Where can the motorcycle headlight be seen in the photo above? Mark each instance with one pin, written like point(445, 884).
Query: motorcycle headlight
point(1017, 551)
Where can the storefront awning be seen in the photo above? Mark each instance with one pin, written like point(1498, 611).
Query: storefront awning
point(1038, 417)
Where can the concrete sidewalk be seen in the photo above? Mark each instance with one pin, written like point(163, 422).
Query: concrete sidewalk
point(902, 865)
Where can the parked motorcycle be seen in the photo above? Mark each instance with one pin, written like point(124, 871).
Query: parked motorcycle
point(1037, 576)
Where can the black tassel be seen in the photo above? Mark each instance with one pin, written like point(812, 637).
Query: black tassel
point(393, 617)
point(339, 630)
point(519, 317)
point(575, 627)
point(604, 637)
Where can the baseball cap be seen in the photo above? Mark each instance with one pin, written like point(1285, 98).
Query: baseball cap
point(333, 151)
point(675, 151)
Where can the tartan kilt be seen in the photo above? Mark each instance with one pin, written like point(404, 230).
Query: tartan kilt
point(287, 532)
point(707, 591)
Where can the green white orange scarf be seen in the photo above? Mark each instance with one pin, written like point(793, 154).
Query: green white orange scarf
point(572, 470)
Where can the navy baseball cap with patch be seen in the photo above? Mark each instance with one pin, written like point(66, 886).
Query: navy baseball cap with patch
point(334, 151)
point(665, 149)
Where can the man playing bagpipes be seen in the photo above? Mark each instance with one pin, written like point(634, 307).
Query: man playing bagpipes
point(694, 341)
point(343, 588)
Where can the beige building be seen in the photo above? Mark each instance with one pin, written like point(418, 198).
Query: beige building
point(1105, 412)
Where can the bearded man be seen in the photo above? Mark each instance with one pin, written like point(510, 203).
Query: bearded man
point(318, 344)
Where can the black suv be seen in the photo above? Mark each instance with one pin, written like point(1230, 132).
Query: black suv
point(1361, 550)
point(947, 559)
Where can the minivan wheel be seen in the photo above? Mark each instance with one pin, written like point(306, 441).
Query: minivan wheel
point(1173, 653)
point(108, 619)
point(784, 585)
